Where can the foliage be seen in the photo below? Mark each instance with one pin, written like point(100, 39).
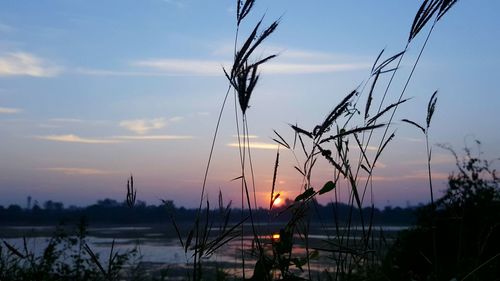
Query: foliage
point(467, 223)
point(66, 257)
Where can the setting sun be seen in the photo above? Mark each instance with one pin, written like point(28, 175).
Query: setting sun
point(278, 201)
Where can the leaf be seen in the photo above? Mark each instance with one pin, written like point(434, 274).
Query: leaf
point(188, 240)
point(385, 63)
point(365, 168)
point(370, 95)
point(276, 163)
point(363, 152)
point(285, 144)
point(301, 131)
point(237, 178)
point(374, 118)
point(94, 258)
point(383, 147)
point(13, 250)
point(424, 14)
point(176, 227)
point(414, 124)
point(305, 195)
point(298, 262)
point(355, 190)
point(329, 186)
point(376, 60)
point(445, 6)
point(300, 171)
point(343, 132)
point(431, 107)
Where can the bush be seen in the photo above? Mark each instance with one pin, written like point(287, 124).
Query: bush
point(467, 224)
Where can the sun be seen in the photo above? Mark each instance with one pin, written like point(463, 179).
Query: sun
point(278, 202)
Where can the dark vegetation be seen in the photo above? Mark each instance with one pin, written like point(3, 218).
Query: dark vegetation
point(466, 221)
point(66, 257)
point(112, 212)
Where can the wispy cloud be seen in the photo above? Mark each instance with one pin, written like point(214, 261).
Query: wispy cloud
point(249, 136)
point(257, 145)
point(304, 68)
point(8, 110)
point(143, 126)
point(153, 137)
point(214, 68)
point(26, 64)
point(104, 72)
point(79, 171)
point(76, 139)
point(66, 120)
point(70, 138)
point(289, 61)
point(183, 66)
point(290, 54)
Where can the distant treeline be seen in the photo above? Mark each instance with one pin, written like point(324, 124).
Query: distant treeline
point(109, 211)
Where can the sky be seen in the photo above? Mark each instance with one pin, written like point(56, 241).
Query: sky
point(92, 91)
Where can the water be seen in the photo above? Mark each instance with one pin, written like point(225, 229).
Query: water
point(155, 248)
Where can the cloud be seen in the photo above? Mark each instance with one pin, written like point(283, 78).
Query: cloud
point(66, 120)
point(214, 68)
point(249, 136)
point(143, 126)
point(183, 66)
point(79, 171)
point(7, 110)
point(104, 72)
point(111, 140)
point(304, 68)
point(289, 54)
point(153, 137)
point(257, 145)
point(25, 64)
point(76, 139)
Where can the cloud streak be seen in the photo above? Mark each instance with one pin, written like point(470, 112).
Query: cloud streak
point(70, 138)
point(143, 126)
point(214, 68)
point(76, 139)
point(153, 137)
point(79, 171)
point(8, 110)
point(26, 64)
point(257, 145)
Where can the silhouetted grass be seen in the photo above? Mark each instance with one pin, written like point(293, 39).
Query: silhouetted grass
point(349, 248)
point(355, 247)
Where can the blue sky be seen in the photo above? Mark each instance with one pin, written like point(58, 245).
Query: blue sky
point(91, 91)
